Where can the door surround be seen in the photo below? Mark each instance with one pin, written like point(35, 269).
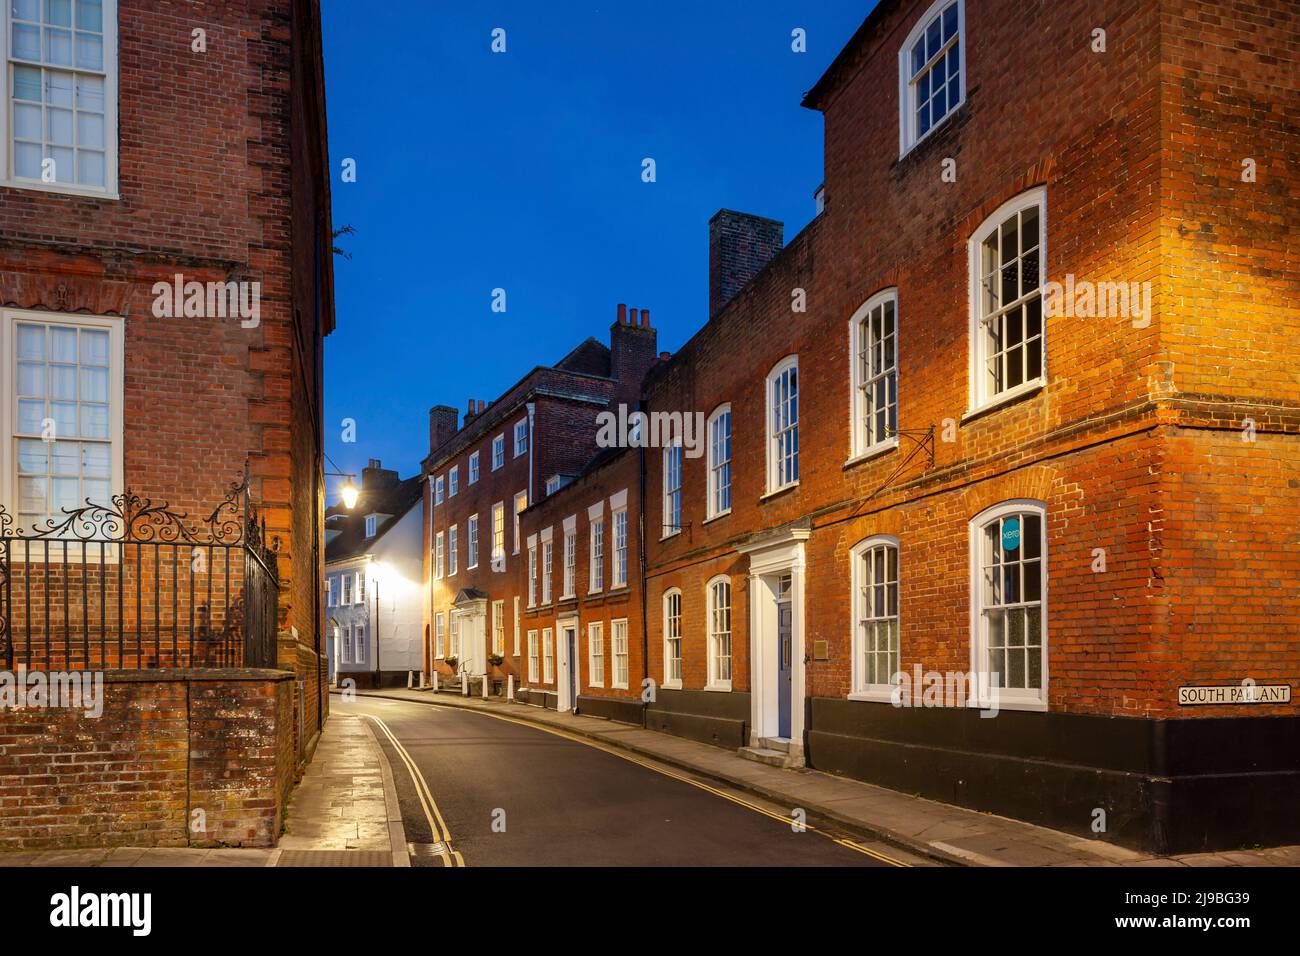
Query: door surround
point(567, 684)
point(770, 557)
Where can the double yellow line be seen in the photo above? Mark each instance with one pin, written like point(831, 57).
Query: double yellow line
point(740, 801)
point(437, 825)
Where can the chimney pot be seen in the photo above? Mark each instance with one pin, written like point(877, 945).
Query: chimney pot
point(622, 314)
point(632, 317)
point(645, 318)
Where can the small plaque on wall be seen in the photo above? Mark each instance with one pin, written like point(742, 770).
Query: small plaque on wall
point(1234, 694)
point(821, 651)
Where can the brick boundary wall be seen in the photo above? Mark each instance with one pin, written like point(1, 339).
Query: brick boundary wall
point(169, 742)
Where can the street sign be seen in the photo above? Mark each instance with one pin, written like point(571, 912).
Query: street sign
point(1248, 693)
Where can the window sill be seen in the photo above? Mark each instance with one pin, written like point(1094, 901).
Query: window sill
point(671, 534)
point(721, 687)
point(63, 189)
point(874, 696)
point(595, 592)
point(888, 445)
point(618, 686)
point(671, 685)
point(779, 491)
point(1003, 703)
point(717, 517)
point(595, 687)
point(471, 567)
point(1006, 398)
point(618, 589)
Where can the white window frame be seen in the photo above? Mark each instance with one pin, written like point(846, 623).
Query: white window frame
point(111, 93)
point(570, 558)
point(453, 481)
point(471, 543)
point(672, 631)
point(533, 658)
point(516, 610)
point(532, 571)
point(9, 405)
point(499, 536)
point(473, 468)
point(371, 522)
point(548, 556)
point(345, 654)
point(453, 548)
point(438, 553)
point(548, 655)
point(909, 137)
point(329, 592)
point(672, 481)
point(499, 627)
point(596, 654)
point(717, 464)
point(519, 495)
point(521, 437)
point(439, 635)
point(619, 577)
point(345, 589)
point(618, 660)
point(438, 487)
point(1008, 698)
point(776, 481)
point(499, 452)
point(360, 648)
point(596, 548)
point(552, 485)
point(360, 591)
point(859, 688)
point(715, 679)
point(859, 447)
point(978, 396)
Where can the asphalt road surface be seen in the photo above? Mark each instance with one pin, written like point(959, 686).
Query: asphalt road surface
point(478, 790)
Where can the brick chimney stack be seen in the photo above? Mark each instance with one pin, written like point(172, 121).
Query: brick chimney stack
point(633, 346)
point(375, 477)
point(444, 422)
point(740, 245)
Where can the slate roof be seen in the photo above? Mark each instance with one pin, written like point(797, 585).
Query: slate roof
point(395, 500)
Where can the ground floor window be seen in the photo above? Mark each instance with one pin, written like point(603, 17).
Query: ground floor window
point(1009, 599)
point(720, 632)
point(618, 650)
point(595, 655)
point(876, 654)
point(532, 657)
point(548, 656)
point(673, 638)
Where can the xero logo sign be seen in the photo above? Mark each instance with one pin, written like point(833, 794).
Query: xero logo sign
point(1011, 534)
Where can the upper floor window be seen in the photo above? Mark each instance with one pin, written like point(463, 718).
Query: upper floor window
point(552, 484)
point(453, 481)
point(548, 550)
point(471, 543)
point(673, 638)
point(473, 468)
point(532, 573)
point(875, 639)
point(499, 536)
point(1006, 265)
point(437, 555)
point(931, 83)
point(570, 559)
point(521, 502)
point(783, 424)
point(620, 548)
point(672, 490)
point(452, 549)
point(372, 522)
point(347, 589)
point(521, 437)
point(60, 124)
point(329, 592)
point(719, 432)
point(873, 332)
point(596, 570)
point(498, 452)
point(1009, 601)
point(437, 490)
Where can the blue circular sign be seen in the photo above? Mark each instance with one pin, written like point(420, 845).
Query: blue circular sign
point(1011, 534)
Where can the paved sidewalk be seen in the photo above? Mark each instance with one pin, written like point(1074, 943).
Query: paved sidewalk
point(943, 832)
point(343, 812)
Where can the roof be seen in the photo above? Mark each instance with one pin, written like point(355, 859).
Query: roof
point(849, 55)
point(393, 500)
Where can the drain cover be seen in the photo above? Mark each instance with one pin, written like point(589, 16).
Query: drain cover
point(335, 858)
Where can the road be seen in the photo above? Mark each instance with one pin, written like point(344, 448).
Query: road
point(479, 790)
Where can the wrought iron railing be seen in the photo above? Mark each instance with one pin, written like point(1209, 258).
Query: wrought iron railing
point(134, 585)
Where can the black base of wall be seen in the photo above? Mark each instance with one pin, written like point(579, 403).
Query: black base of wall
point(539, 698)
point(611, 708)
point(1166, 786)
point(712, 718)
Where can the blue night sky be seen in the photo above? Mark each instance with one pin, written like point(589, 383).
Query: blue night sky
point(522, 171)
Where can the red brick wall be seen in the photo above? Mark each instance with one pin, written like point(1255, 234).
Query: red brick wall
point(167, 743)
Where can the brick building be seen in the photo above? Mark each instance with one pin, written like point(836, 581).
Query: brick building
point(1046, 317)
point(165, 286)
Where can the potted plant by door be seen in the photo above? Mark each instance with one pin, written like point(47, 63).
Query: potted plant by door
point(451, 662)
point(496, 660)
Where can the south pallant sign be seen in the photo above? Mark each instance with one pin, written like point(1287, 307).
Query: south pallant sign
point(1235, 694)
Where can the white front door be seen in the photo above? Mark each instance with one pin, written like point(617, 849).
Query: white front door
point(566, 674)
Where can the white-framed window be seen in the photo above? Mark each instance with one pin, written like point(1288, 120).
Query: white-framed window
point(875, 636)
point(719, 432)
point(329, 592)
point(719, 606)
point(63, 378)
point(548, 656)
point(453, 642)
point(498, 452)
point(347, 589)
point(672, 490)
point(471, 543)
point(439, 634)
point(499, 536)
point(361, 587)
point(620, 548)
point(532, 657)
point(371, 523)
point(532, 575)
point(359, 644)
point(59, 120)
point(547, 551)
point(521, 502)
point(453, 481)
point(347, 645)
point(873, 341)
point(1009, 602)
point(552, 484)
point(596, 572)
point(570, 560)
point(1007, 261)
point(596, 654)
point(438, 485)
point(618, 651)
point(931, 82)
point(516, 642)
point(438, 552)
point(473, 468)
point(499, 627)
point(453, 549)
point(783, 424)
point(521, 437)
point(673, 638)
